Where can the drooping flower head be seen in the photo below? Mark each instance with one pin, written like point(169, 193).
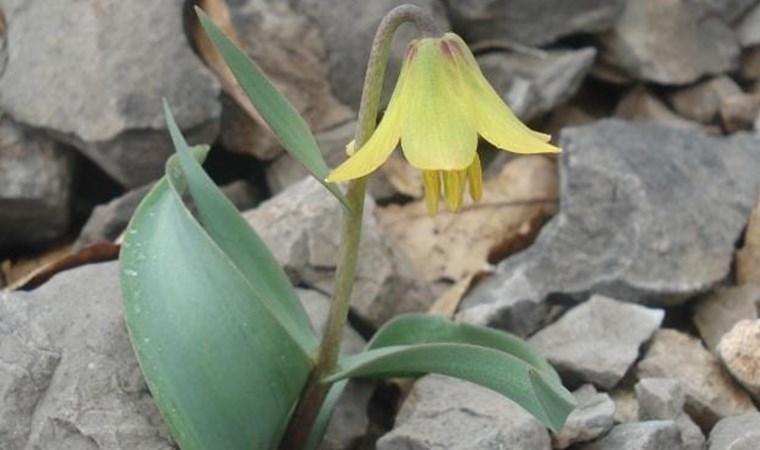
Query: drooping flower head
point(440, 104)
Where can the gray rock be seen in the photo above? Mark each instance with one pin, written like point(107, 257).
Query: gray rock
point(445, 413)
point(534, 85)
point(348, 28)
point(112, 114)
point(295, 59)
point(108, 221)
point(659, 398)
point(691, 435)
point(663, 399)
point(648, 214)
point(640, 105)
point(531, 22)
point(591, 418)
point(606, 345)
point(69, 378)
point(36, 184)
point(701, 101)
point(730, 10)
point(739, 350)
point(670, 42)
point(717, 312)
point(736, 433)
point(710, 392)
point(651, 435)
point(301, 225)
point(749, 28)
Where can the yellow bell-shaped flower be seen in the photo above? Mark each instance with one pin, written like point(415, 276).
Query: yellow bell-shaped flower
point(440, 104)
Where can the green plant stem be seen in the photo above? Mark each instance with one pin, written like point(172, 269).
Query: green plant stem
point(315, 391)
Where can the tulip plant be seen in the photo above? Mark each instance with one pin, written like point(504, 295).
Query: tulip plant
point(224, 343)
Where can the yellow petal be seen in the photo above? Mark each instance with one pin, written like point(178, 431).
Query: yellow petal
point(380, 145)
point(475, 179)
point(495, 121)
point(431, 181)
point(437, 132)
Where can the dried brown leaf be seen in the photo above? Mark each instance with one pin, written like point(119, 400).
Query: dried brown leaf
point(29, 273)
point(456, 246)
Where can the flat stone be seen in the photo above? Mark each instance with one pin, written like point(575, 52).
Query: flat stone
point(710, 393)
point(591, 418)
point(716, 313)
point(748, 257)
point(69, 378)
point(648, 214)
point(748, 30)
point(445, 413)
point(640, 105)
point(701, 101)
point(531, 22)
point(650, 435)
point(736, 433)
point(113, 114)
point(663, 399)
point(606, 345)
point(295, 59)
point(108, 221)
point(670, 42)
point(659, 398)
point(731, 11)
point(301, 226)
point(739, 350)
point(533, 85)
point(692, 437)
point(36, 175)
point(348, 29)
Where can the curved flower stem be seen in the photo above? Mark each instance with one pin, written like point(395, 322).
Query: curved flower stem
point(315, 391)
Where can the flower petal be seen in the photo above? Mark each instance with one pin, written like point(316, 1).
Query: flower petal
point(380, 145)
point(437, 132)
point(495, 121)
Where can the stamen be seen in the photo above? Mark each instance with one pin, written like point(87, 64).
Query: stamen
point(475, 178)
point(431, 181)
point(453, 187)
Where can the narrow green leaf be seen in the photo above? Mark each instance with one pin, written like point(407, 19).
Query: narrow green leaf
point(317, 431)
point(284, 120)
point(240, 243)
point(506, 374)
point(224, 372)
point(411, 329)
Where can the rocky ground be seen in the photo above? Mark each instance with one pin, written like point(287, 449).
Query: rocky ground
point(631, 261)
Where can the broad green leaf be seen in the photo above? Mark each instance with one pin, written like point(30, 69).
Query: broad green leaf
point(240, 243)
point(411, 329)
point(284, 120)
point(504, 373)
point(224, 370)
